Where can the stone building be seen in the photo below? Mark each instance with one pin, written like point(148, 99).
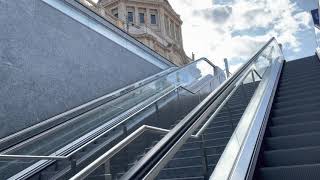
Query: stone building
point(152, 22)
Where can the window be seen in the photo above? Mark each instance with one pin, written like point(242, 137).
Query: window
point(130, 17)
point(153, 16)
point(141, 16)
point(153, 19)
point(115, 12)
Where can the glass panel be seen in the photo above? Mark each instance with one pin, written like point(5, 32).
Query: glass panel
point(175, 104)
point(317, 36)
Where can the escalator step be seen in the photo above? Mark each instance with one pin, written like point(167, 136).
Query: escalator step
point(299, 172)
point(207, 143)
point(298, 156)
point(296, 109)
point(182, 172)
point(294, 129)
point(290, 102)
point(300, 80)
point(293, 141)
point(186, 178)
point(300, 95)
point(295, 118)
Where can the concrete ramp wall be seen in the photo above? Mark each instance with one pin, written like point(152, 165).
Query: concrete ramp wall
point(51, 62)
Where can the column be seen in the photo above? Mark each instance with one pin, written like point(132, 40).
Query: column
point(162, 21)
point(136, 20)
point(122, 11)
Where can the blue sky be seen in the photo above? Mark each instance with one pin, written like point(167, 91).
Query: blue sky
point(235, 29)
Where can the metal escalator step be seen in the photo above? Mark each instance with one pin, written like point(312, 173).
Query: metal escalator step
point(306, 84)
point(298, 156)
point(186, 178)
point(190, 161)
point(185, 161)
point(218, 149)
point(291, 102)
point(294, 129)
point(293, 141)
point(298, 172)
point(188, 153)
point(296, 109)
point(289, 78)
point(218, 134)
point(232, 111)
point(287, 91)
point(182, 172)
point(295, 118)
point(227, 117)
point(300, 95)
point(292, 74)
point(300, 80)
point(219, 128)
point(207, 143)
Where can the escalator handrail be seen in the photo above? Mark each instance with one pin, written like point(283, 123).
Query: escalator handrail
point(5, 156)
point(240, 155)
point(69, 155)
point(27, 133)
point(110, 153)
point(150, 162)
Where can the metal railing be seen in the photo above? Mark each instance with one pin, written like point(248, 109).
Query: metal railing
point(56, 120)
point(164, 150)
point(238, 159)
point(110, 153)
point(70, 155)
point(63, 117)
point(251, 71)
point(5, 156)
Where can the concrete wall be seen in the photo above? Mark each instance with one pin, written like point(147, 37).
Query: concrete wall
point(50, 63)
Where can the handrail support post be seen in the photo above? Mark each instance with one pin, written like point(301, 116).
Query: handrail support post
point(204, 157)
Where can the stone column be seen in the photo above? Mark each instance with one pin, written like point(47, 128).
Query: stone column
point(162, 21)
point(136, 20)
point(147, 17)
point(122, 11)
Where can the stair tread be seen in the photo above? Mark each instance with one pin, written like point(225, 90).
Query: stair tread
point(185, 178)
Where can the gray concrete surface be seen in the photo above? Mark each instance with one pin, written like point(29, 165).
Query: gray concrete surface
point(50, 63)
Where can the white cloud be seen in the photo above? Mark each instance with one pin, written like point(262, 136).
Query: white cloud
point(236, 29)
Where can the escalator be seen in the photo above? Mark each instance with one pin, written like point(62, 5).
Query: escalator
point(188, 163)
point(261, 123)
point(196, 146)
point(290, 148)
point(60, 146)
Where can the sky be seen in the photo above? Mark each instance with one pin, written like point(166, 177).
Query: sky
point(236, 29)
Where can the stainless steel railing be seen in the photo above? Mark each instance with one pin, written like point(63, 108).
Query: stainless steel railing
point(163, 152)
point(109, 154)
point(63, 117)
point(70, 155)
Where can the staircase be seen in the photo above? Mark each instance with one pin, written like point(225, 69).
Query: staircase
point(189, 162)
point(291, 146)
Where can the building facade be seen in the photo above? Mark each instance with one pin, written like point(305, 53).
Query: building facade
point(152, 22)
